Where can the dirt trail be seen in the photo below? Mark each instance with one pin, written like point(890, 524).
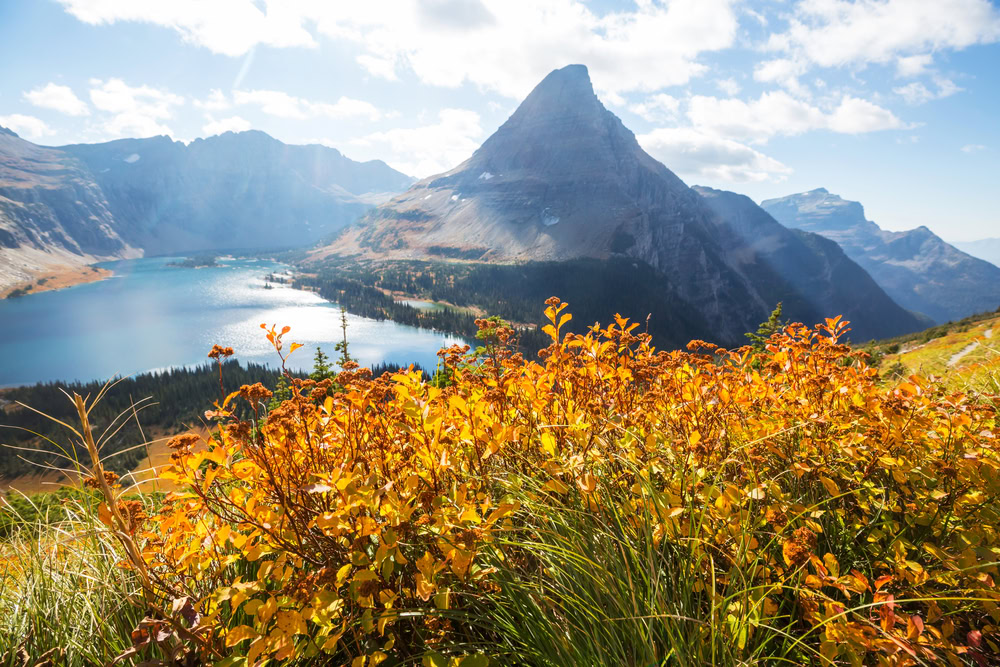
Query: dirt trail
point(955, 358)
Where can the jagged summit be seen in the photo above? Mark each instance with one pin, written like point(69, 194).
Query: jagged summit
point(564, 179)
point(8, 132)
point(919, 270)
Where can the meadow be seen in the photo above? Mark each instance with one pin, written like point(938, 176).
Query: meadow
point(607, 503)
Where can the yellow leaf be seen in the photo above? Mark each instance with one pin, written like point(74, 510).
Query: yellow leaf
point(830, 486)
point(238, 634)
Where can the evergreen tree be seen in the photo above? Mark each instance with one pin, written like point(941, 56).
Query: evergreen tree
point(342, 346)
point(773, 325)
point(322, 369)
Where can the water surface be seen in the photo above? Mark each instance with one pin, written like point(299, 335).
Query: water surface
point(151, 316)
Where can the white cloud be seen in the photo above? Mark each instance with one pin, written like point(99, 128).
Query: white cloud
point(836, 33)
point(909, 66)
point(729, 86)
point(429, 149)
point(917, 93)
point(778, 113)
point(229, 27)
point(216, 101)
point(59, 98)
point(973, 148)
point(26, 126)
point(857, 116)
point(501, 45)
point(283, 105)
point(657, 108)
point(695, 154)
point(231, 124)
point(135, 111)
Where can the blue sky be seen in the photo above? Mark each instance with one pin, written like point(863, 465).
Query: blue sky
point(893, 103)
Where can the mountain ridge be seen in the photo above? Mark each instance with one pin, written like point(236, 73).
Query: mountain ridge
point(918, 269)
point(82, 203)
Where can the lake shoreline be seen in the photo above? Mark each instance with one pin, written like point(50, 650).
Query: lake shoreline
point(55, 278)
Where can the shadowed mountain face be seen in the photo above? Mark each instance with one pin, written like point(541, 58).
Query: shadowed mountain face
point(244, 190)
point(819, 277)
point(563, 178)
point(916, 268)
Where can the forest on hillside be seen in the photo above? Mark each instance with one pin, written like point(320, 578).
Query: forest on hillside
point(597, 289)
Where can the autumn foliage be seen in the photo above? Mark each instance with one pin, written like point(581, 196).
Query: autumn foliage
point(369, 525)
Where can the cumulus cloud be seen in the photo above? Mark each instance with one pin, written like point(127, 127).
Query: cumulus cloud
point(836, 33)
point(909, 66)
point(135, 111)
point(973, 148)
point(917, 93)
point(58, 98)
point(695, 154)
point(729, 86)
point(228, 27)
point(502, 45)
point(216, 101)
point(657, 108)
point(26, 126)
point(429, 149)
point(283, 105)
point(231, 124)
point(777, 113)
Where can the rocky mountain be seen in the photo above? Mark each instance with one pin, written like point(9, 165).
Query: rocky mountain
point(51, 212)
point(816, 270)
point(85, 202)
point(919, 270)
point(985, 249)
point(562, 179)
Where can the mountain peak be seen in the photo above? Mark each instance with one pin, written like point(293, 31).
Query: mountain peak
point(4, 130)
point(565, 92)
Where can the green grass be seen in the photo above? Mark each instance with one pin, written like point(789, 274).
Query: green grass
point(63, 596)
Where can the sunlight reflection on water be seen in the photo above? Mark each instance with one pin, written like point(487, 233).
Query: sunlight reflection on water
point(153, 316)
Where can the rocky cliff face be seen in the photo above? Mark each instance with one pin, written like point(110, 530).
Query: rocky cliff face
point(564, 178)
point(916, 268)
point(51, 212)
point(819, 279)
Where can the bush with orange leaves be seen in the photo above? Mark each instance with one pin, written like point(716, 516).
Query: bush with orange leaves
point(360, 526)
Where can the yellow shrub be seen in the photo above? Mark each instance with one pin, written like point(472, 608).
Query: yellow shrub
point(355, 525)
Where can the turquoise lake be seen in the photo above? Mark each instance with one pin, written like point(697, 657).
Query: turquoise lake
point(151, 316)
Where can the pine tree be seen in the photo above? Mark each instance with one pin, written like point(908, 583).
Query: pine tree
point(773, 325)
point(342, 346)
point(322, 369)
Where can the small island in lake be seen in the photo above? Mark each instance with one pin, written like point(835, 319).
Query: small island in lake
point(196, 262)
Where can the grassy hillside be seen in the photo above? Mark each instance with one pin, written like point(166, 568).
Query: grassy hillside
point(964, 354)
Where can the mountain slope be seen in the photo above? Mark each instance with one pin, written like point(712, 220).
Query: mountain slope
point(985, 249)
point(51, 212)
point(916, 268)
point(563, 179)
point(236, 190)
point(816, 269)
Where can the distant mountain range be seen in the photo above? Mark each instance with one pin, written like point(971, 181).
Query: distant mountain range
point(563, 179)
point(158, 196)
point(919, 270)
point(985, 249)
